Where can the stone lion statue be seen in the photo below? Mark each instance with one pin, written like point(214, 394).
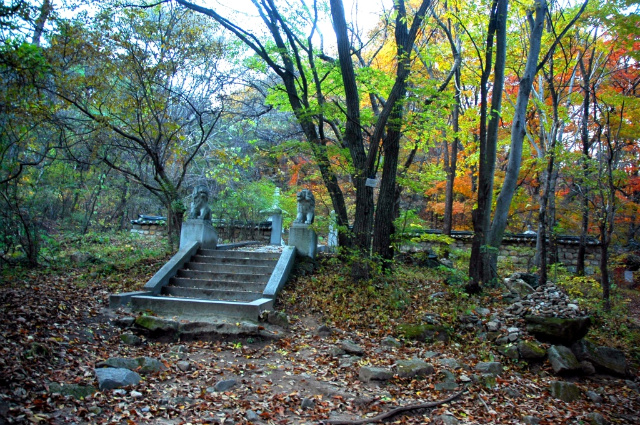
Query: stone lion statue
point(306, 207)
point(199, 203)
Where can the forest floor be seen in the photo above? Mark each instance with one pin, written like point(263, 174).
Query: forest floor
point(55, 328)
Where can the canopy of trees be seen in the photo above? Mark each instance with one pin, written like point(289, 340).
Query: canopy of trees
point(491, 116)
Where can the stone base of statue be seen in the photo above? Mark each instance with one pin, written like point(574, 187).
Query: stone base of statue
point(197, 230)
point(304, 239)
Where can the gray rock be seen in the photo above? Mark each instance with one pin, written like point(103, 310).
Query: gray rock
point(426, 332)
point(530, 420)
point(562, 360)
point(449, 363)
point(595, 397)
point(391, 342)
point(95, 410)
point(557, 330)
point(492, 368)
point(351, 348)
point(445, 420)
point(157, 324)
point(413, 368)
point(565, 391)
point(445, 386)
point(278, 318)
point(368, 374)
point(308, 403)
point(110, 378)
point(481, 311)
point(251, 416)
point(142, 365)
point(184, 366)
point(325, 330)
point(131, 339)
point(604, 359)
point(531, 350)
point(493, 326)
point(136, 394)
point(596, 418)
point(510, 351)
point(76, 391)
point(336, 351)
point(124, 322)
point(519, 286)
point(587, 368)
point(225, 385)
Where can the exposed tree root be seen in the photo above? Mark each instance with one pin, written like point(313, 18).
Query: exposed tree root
point(393, 412)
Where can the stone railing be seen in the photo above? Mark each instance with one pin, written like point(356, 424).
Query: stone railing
point(519, 249)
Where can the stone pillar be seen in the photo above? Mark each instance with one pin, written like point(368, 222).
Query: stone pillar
point(304, 239)
point(202, 231)
point(276, 227)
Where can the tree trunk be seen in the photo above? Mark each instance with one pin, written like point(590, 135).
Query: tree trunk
point(488, 141)
point(451, 164)
point(518, 132)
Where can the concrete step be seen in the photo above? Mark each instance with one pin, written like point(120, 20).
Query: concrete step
point(229, 285)
point(190, 307)
point(229, 268)
point(239, 276)
point(210, 294)
point(239, 254)
point(234, 261)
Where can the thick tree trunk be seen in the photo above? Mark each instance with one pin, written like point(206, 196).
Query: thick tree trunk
point(479, 271)
point(518, 131)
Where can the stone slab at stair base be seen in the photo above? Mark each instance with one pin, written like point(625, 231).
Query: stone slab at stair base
point(201, 231)
point(304, 239)
point(189, 307)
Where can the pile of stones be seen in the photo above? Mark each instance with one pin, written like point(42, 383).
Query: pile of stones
point(545, 301)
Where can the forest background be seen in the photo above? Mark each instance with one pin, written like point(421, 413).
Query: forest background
point(489, 116)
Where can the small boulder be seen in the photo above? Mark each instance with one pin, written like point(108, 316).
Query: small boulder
point(565, 391)
point(425, 332)
point(157, 325)
point(604, 359)
point(308, 403)
point(324, 330)
point(557, 330)
point(530, 420)
point(368, 374)
point(351, 348)
point(76, 391)
point(445, 420)
point(596, 418)
point(413, 368)
point(562, 360)
point(142, 365)
point(131, 339)
point(225, 385)
point(519, 287)
point(531, 350)
point(391, 342)
point(492, 368)
point(110, 378)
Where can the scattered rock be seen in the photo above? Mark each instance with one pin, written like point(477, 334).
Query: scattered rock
point(563, 360)
point(565, 391)
point(450, 363)
point(136, 394)
point(595, 397)
point(225, 385)
point(446, 386)
point(492, 368)
point(530, 420)
point(425, 332)
point(413, 368)
point(531, 350)
point(110, 378)
point(558, 330)
point(251, 416)
point(587, 368)
point(131, 339)
point(445, 420)
point(325, 330)
point(336, 351)
point(124, 322)
point(308, 403)
point(604, 359)
point(184, 366)
point(142, 365)
point(510, 351)
point(76, 391)
point(277, 318)
point(391, 342)
point(368, 374)
point(157, 324)
point(351, 348)
point(596, 418)
point(519, 287)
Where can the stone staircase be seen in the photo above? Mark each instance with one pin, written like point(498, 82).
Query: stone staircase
point(215, 283)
